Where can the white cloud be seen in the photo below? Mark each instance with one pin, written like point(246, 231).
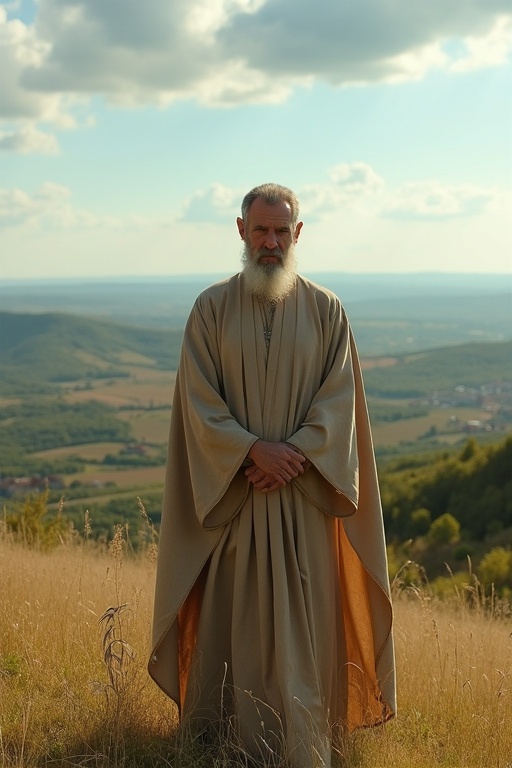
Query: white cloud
point(433, 200)
point(367, 41)
point(20, 49)
point(206, 17)
point(355, 188)
point(22, 109)
point(351, 186)
point(47, 208)
point(352, 189)
point(490, 50)
point(27, 139)
point(228, 52)
point(47, 236)
point(356, 178)
point(217, 204)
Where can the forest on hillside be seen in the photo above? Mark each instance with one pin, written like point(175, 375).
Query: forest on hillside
point(473, 485)
point(443, 511)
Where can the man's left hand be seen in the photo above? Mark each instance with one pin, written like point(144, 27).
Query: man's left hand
point(262, 481)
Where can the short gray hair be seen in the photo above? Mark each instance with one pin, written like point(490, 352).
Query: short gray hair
point(272, 194)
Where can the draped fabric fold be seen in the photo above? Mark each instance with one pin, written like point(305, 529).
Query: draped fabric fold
point(283, 597)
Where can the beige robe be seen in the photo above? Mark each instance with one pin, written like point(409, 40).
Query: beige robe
point(283, 597)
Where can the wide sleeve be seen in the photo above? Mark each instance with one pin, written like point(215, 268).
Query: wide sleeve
point(327, 435)
point(215, 444)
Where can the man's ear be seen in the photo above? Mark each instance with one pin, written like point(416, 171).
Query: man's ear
point(297, 231)
point(241, 227)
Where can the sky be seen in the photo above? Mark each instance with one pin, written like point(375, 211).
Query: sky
point(130, 130)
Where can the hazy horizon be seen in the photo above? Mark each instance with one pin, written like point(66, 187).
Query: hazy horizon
point(148, 278)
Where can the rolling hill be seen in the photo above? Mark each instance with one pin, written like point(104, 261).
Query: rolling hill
point(37, 351)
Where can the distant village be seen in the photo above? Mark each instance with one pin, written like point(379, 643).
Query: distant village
point(494, 399)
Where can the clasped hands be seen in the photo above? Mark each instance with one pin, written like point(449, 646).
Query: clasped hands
point(274, 465)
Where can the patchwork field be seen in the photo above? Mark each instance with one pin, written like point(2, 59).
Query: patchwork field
point(144, 397)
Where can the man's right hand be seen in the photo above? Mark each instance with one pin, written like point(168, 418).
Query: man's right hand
point(274, 465)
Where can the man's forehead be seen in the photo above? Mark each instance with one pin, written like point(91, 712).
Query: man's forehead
point(261, 212)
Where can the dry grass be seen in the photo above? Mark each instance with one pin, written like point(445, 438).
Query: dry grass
point(57, 697)
point(74, 632)
point(455, 689)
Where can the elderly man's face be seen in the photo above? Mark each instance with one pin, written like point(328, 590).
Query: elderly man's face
point(269, 252)
point(268, 231)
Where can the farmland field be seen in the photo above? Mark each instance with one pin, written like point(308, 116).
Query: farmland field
point(98, 416)
point(149, 426)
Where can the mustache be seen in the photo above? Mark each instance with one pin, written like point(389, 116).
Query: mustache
point(276, 252)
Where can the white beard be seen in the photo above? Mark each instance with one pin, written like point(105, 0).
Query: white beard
point(269, 282)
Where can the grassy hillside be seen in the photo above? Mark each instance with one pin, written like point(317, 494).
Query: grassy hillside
point(38, 350)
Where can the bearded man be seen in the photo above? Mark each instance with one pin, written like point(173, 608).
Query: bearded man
point(272, 609)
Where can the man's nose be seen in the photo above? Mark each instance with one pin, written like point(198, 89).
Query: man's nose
point(270, 239)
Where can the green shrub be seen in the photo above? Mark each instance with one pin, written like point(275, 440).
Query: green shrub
point(444, 530)
point(496, 567)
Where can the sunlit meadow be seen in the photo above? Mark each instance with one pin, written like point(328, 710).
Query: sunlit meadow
point(74, 690)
